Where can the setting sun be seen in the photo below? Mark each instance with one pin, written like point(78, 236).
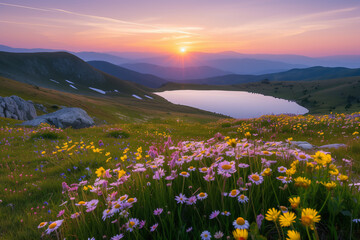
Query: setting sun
point(182, 49)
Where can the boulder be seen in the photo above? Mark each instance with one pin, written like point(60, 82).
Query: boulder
point(17, 108)
point(335, 145)
point(302, 144)
point(63, 118)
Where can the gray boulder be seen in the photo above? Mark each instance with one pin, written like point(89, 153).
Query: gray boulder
point(302, 144)
point(63, 118)
point(17, 108)
point(335, 145)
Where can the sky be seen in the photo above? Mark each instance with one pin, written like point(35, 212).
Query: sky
point(306, 27)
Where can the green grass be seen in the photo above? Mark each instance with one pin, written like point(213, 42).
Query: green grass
point(40, 165)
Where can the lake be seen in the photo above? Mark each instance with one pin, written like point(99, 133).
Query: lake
point(236, 104)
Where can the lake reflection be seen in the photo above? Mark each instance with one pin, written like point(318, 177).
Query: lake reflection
point(236, 104)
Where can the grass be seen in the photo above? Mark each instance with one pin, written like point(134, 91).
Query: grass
point(32, 171)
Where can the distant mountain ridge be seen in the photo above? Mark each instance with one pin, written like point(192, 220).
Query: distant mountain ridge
point(63, 71)
point(128, 75)
point(176, 73)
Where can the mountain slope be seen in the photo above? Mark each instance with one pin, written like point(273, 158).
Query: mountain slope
point(128, 75)
point(306, 74)
point(63, 71)
point(176, 73)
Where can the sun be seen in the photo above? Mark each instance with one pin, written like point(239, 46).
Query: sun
point(182, 49)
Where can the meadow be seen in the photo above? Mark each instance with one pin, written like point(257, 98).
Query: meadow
point(180, 179)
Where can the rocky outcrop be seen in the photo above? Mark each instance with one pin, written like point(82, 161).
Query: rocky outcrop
point(308, 146)
point(17, 108)
point(302, 144)
point(63, 118)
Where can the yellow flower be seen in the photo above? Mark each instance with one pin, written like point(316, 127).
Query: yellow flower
point(295, 202)
point(355, 133)
point(309, 217)
point(240, 234)
point(343, 177)
point(247, 134)
point(272, 214)
point(322, 158)
point(302, 182)
point(232, 142)
point(287, 219)
point(100, 172)
point(334, 172)
point(329, 185)
point(266, 172)
point(293, 235)
point(121, 173)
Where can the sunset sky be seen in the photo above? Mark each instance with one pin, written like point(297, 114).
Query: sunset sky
point(307, 27)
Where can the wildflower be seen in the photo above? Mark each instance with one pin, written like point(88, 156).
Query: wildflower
point(282, 169)
point(295, 202)
point(43, 224)
point(218, 235)
point(189, 229)
point(302, 182)
point(287, 219)
point(117, 237)
point(226, 168)
point(191, 200)
point(329, 185)
point(75, 215)
point(158, 211)
point(272, 214)
point(184, 174)
point(60, 213)
point(181, 198)
point(342, 177)
point(54, 226)
point(131, 224)
point(322, 158)
point(81, 203)
point(107, 213)
point(231, 142)
point(153, 227)
point(356, 220)
point(202, 196)
point(266, 153)
point(205, 235)
point(242, 198)
point(247, 134)
point(256, 178)
point(214, 214)
point(91, 205)
point(243, 165)
point(293, 235)
point(234, 193)
point(241, 223)
point(309, 217)
point(259, 219)
point(240, 234)
point(225, 213)
point(100, 172)
point(191, 169)
point(203, 169)
point(266, 172)
point(121, 173)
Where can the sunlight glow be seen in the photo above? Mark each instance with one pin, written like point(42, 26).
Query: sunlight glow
point(182, 49)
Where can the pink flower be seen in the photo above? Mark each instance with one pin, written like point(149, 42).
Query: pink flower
point(61, 213)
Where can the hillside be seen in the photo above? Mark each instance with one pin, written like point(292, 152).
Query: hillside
point(176, 73)
point(65, 72)
point(305, 74)
point(128, 75)
point(111, 109)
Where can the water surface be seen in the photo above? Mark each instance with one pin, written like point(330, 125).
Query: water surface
point(236, 104)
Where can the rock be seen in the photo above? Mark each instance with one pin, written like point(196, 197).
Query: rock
point(335, 145)
point(63, 118)
point(302, 144)
point(17, 108)
point(40, 107)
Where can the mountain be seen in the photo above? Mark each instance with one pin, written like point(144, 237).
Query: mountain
point(65, 72)
point(94, 56)
point(4, 48)
point(175, 73)
point(129, 75)
point(306, 74)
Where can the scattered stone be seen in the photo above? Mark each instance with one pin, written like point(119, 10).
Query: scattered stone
point(63, 118)
point(17, 108)
point(335, 145)
point(41, 108)
point(302, 144)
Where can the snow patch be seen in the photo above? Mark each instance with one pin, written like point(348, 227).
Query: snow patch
point(54, 81)
point(98, 90)
point(69, 82)
point(116, 90)
point(149, 97)
point(73, 86)
point(136, 96)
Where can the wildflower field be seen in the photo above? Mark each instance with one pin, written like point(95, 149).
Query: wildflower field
point(231, 179)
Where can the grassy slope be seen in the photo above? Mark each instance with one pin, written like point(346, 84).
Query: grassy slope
point(112, 109)
point(318, 96)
